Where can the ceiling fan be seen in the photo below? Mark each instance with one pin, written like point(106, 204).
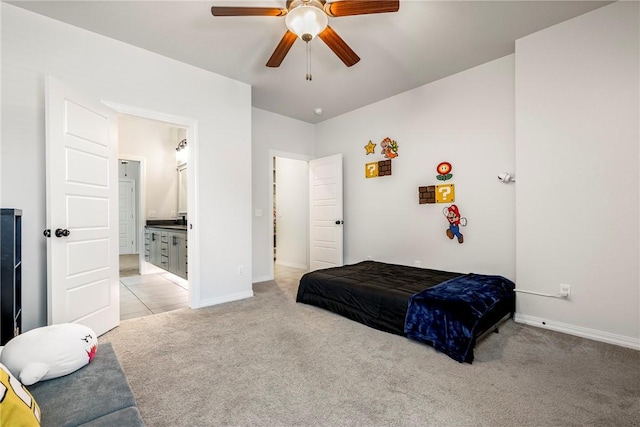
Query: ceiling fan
point(307, 19)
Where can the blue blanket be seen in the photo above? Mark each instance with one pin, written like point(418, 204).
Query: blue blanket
point(448, 315)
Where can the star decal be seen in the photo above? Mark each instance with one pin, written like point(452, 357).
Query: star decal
point(370, 147)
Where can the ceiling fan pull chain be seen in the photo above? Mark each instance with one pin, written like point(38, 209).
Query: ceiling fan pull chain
point(308, 76)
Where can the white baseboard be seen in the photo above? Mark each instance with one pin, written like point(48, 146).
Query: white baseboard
point(261, 279)
point(226, 298)
point(592, 334)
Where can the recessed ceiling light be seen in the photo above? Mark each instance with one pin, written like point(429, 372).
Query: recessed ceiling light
point(318, 111)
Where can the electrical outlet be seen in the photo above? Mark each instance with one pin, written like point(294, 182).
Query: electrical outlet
point(152, 214)
point(565, 290)
point(173, 214)
point(417, 263)
point(240, 270)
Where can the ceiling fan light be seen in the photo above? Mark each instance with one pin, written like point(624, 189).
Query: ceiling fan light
point(306, 21)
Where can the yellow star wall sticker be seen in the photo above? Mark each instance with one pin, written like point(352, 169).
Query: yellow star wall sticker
point(370, 147)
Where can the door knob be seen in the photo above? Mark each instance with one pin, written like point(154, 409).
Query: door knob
point(47, 232)
point(60, 232)
point(338, 222)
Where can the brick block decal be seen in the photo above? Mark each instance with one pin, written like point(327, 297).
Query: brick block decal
point(384, 168)
point(427, 194)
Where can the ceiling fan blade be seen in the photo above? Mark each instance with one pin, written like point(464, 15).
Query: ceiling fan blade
point(339, 47)
point(282, 49)
point(361, 7)
point(247, 11)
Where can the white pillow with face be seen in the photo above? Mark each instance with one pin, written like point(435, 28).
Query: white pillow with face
point(49, 352)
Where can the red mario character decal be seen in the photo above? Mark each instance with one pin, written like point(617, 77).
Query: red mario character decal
point(455, 222)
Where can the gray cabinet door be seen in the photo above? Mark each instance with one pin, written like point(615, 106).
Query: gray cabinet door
point(154, 247)
point(178, 254)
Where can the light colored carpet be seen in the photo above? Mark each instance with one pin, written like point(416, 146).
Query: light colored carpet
point(268, 361)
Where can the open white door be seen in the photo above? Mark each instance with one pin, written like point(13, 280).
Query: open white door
point(325, 212)
point(82, 211)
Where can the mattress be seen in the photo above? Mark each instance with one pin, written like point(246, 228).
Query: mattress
point(373, 293)
point(447, 310)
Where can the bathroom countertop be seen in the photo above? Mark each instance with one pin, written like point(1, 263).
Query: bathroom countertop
point(169, 225)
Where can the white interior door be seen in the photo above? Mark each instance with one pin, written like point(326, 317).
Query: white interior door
point(126, 216)
point(325, 212)
point(82, 212)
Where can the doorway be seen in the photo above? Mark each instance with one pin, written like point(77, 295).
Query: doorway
point(148, 173)
point(290, 210)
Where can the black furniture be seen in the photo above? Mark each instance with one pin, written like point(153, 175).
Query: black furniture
point(10, 274)
point(447, 310)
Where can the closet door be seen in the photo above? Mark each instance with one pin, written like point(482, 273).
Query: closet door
point(325, 211)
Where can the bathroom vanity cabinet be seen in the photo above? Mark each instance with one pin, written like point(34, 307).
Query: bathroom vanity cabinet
point(166, 247)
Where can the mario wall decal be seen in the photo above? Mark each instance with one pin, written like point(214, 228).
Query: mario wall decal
point(455, 222)
point(388, 150)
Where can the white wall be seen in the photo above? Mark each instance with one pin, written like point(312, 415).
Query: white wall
point(289, 138)
point(34, 46)
point(292, 212)
point(466, 119)
point(577, 109)
point(156, 142)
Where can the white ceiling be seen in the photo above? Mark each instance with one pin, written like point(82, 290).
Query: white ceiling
point(425, 41)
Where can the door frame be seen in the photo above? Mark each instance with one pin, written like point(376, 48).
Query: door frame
point(286, 155)
point(193, 250)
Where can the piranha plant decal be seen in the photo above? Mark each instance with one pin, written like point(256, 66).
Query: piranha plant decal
point(455, 222)
point(444, 170)
point(389, 148)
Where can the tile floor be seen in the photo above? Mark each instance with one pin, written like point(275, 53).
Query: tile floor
point(156, 293)
point(151, 294)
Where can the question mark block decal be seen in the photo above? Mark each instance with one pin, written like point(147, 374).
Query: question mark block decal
point(371, 170)
point(445, 193)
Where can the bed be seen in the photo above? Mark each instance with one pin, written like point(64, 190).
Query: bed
point(447, 310)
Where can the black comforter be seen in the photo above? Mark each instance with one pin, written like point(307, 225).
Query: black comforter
point(444, 309)
point(373, 293)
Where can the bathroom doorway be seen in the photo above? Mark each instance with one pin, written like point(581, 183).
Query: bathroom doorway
point(148, 171)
